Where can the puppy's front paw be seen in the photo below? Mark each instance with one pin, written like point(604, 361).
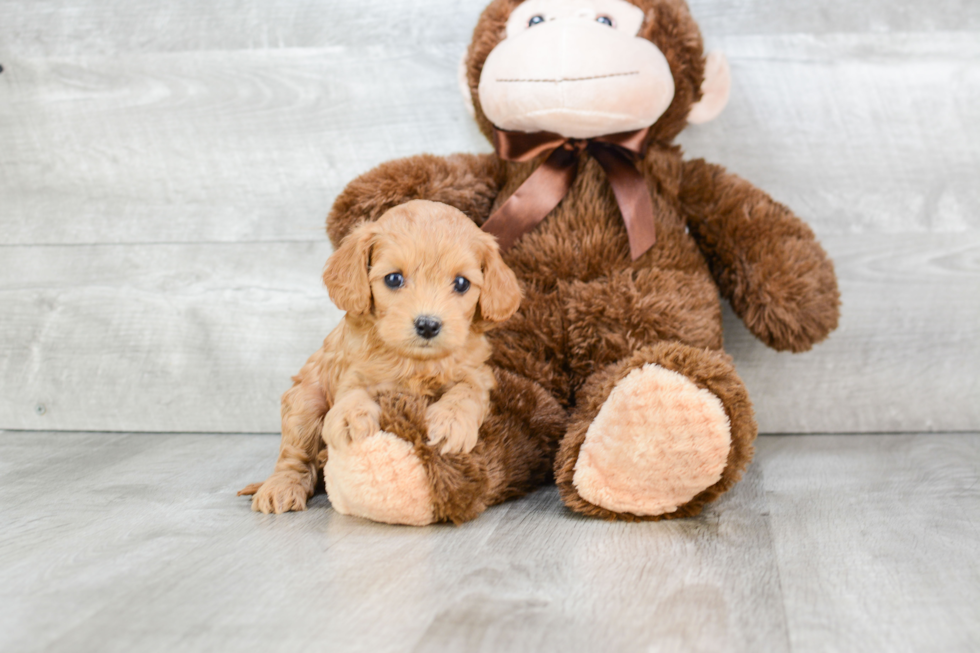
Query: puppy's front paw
point(280, 494)
point(459, 429)
point(351, 423)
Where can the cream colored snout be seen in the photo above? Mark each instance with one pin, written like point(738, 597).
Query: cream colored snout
point(575, 77)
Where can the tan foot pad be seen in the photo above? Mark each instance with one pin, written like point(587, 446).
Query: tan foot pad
point(379, 478)
point(657, 442)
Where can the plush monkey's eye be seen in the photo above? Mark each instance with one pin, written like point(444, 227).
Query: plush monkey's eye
point(535, 20)
point(605, 20)
point(461, 284)
point(395, 280)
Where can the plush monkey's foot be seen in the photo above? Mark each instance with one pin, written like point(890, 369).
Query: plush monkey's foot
point(379, 478)
point(395, 476)
point(657, 435)
point(657, 442)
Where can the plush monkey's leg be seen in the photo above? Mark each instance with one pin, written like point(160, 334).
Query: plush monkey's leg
point(656, 435)
point(395, 477)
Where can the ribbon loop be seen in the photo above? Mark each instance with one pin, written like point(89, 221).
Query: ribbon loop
point(526, 148)
point(550, 182)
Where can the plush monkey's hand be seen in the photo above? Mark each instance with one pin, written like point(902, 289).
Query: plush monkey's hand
point(765, 260)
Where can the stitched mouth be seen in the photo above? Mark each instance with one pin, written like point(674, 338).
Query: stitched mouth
point(570, 79)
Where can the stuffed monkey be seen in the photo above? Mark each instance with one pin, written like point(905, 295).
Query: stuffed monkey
point(612, 374)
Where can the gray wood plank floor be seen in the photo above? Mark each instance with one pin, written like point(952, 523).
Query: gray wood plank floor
point(132, 542)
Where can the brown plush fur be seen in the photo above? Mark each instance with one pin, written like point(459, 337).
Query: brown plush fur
point(590, 313)
point(766, 261)
point(469, 182)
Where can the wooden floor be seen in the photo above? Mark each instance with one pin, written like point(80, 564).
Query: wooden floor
point(115, 542)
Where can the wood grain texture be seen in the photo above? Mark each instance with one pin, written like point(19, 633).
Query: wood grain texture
point(82, 27)
point(157, 337)
point(905, 355)
point(858, 133)
point(205, 338)
point(165, 171)
point(117, 542)
point(156, 553)
point(877, 539)
point(878, 133)
point(210, 146)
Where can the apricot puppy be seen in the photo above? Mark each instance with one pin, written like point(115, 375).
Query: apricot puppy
point(420, 286)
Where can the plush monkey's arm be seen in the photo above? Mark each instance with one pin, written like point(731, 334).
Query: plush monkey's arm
point(765, 260)
point(468, 182)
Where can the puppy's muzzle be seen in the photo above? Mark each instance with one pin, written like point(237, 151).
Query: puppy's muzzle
point(427, 326)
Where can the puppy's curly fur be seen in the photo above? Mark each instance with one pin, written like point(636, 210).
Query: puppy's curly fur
point(420, 261)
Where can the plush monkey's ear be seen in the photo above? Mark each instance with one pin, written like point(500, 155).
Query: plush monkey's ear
point(500, 296)
point(714, 91)
point(464, 85)
point(346, 274)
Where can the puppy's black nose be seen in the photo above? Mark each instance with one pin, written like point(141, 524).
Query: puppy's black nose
point(427, 326)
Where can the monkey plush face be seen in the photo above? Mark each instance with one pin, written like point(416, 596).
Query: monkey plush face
point(587, 68)
point(577, 68)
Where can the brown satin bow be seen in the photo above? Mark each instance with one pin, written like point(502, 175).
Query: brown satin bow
point(547, 185)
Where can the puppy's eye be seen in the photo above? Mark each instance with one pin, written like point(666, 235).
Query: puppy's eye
point(394, 280)
point(535, 20)
point(605, 20)
point(461, 285)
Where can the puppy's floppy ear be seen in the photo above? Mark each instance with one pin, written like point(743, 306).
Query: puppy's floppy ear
point(501, 294)
point(346, 274)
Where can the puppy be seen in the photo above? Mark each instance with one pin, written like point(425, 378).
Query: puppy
point(420, 286)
